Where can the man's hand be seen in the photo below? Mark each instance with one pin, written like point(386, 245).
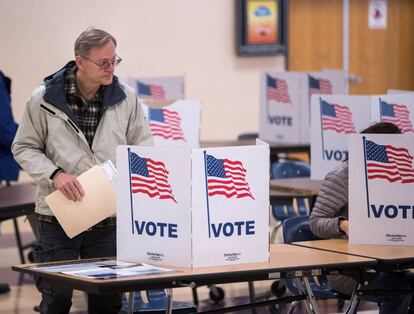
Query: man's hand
point(344, 226)
point(69, 186)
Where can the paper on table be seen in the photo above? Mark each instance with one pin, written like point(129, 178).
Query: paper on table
point(98, 203)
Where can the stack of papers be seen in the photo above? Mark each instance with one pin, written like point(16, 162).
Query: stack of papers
point(103, 269)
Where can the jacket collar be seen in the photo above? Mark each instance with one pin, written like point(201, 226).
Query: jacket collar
point(55, 91)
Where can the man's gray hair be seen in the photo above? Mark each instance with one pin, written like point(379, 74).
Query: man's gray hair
point(92, 38)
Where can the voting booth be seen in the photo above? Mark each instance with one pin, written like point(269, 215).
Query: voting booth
point(394, 108)
point(381, 189)
point(285, 102)
point(325, 82)
point(175, 125)
point(333, 119)
point(193, 207)
point(280, 107)
point(159, 87)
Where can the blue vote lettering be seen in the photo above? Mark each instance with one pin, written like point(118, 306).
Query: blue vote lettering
point(156, 228)
point(237, 228)
point(280, 120)
point(392, 211)
point(339, 155)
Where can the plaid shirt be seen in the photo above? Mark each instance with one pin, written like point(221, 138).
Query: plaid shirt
point(87, 114)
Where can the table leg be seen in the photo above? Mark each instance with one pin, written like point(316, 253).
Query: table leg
point(311, 296)
point(310, 308)
point(169, 305)
point(353, 306)
point(252, 295)
point(19, 241)
point(131, 302)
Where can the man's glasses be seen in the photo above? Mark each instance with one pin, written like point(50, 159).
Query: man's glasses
point(104, 65)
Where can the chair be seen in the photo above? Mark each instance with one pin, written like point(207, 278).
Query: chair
point(297, 229)
point(156, 304)
point(299, 206)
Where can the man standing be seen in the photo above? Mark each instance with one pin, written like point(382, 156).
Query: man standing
point(74, 121)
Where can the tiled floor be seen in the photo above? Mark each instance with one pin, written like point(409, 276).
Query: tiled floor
point(22, 298)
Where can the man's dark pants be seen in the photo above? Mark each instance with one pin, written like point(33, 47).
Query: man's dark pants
point(54, 245)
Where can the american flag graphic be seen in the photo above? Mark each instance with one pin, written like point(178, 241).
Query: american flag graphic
point(150, 177)
point(396, 114)
point(166, 124)
point(226, 177)
point(388, 162)
point(336, 118)
point(277, 90)
point(151, 91)
point(319, 86)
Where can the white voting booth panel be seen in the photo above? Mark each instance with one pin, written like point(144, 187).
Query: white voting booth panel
point(193, 207)
point(231, 223)
point(318, 83)
point(280, 107)
point(175, 125)
point(333, 119)
point(285, 102)
point(395, 108)
point(381, 189)
point(162, 87)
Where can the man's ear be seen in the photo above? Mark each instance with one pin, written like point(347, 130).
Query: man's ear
point(79, 61)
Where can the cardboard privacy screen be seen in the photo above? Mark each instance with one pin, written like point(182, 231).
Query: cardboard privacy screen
point(175, 125)
point(394, 108)
point(381, 189)
point(333, 119)
point(285, 102)
point(162, 87)
point(193, 207)
point(280, 107)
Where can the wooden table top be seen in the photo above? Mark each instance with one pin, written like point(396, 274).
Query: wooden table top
point(296, 185)
point(384, 253)
point(284, 258)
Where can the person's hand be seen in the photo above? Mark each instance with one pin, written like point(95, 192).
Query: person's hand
point(344, 226)
point(69, 186)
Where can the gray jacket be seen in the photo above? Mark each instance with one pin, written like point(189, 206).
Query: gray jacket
point(48, 136)
point(332, 205)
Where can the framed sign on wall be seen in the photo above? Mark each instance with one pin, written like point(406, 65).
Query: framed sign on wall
point(261, 27)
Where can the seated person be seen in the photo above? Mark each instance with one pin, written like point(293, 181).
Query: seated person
point(329, 219)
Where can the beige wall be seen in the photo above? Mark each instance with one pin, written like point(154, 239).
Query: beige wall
point(194, 38)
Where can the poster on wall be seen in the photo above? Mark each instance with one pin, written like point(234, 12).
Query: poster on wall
point(381, 185)
point(394, 108)
point(162, 87)
point(377, 14)
point(280, 107)
point(262, 22)
point(333, 119)
point(175, 125)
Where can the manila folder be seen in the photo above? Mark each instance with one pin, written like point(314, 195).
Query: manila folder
point(98, 203)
